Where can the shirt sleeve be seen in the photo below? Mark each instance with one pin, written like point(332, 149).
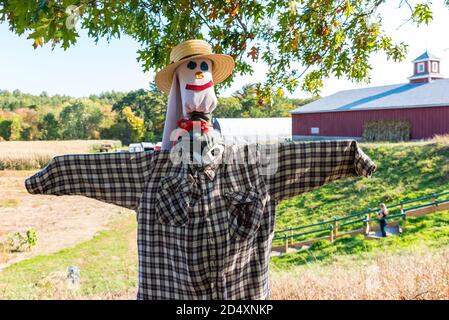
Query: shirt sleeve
point(117, 178)
point(304, 166)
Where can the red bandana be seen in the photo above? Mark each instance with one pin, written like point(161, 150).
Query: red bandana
point(188, 125)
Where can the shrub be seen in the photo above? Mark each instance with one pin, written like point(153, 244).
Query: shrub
point(21, 241)
point(10, 129)
point(320, 244)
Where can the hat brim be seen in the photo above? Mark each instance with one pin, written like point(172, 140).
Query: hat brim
point(222, 66)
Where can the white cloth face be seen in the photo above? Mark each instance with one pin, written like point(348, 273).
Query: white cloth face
point(196, 86)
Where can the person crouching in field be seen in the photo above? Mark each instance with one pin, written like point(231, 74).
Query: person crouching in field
point(382, 216)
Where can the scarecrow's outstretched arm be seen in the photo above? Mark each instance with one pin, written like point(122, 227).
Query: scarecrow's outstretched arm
point(116, 178)
point(303, 166)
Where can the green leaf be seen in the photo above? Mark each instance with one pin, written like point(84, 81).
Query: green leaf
point(422, 14)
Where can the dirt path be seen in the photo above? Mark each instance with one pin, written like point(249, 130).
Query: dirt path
point(60, 222)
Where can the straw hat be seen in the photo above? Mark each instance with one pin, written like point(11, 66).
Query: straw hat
point(222, 64)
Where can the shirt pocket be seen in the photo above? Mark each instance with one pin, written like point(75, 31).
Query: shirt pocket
point(246, 209)
point(172, 201)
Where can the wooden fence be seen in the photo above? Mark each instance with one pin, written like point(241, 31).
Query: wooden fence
point(358, 223)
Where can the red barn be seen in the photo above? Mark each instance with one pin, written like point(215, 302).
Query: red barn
point(423, 102)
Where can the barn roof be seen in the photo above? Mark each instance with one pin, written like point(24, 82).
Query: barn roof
point(408, 95)
point(251, 127)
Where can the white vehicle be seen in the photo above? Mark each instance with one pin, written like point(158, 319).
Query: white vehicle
point(140, 147)
point(135, 147)
point(147, 146)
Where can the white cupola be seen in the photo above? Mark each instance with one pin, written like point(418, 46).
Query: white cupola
point(426, 68)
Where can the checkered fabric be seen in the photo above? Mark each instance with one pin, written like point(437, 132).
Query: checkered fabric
point(204, 232)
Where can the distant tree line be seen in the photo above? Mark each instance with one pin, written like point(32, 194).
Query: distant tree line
point(127, 116)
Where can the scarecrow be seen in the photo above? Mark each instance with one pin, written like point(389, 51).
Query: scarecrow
point(206, 213)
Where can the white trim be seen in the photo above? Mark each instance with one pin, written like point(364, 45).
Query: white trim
point(418, 65)
point(436, 65)
point(300, 137)
point(375, 108)
point(426, 59)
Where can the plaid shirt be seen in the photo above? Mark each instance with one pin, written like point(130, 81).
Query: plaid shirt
point(204, 232)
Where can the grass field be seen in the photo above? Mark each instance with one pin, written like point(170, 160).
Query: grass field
point(412, 268)
point(429, 231)
point(405, 171)
point(414, 265)
point(29, 155)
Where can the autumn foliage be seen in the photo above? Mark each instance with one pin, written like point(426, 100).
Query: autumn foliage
point(301, 42)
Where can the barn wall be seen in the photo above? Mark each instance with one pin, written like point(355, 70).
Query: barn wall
point(425, 122)
point(420, 80)
point(426, 67)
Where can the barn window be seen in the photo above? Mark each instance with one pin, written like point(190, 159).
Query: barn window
point(314, 130)
point(420, 67)
point(435, 66)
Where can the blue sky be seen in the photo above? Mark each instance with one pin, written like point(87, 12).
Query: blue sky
point(87, 68)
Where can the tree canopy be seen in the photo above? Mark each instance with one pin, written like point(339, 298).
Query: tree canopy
point(302, 41)
point(127, 116)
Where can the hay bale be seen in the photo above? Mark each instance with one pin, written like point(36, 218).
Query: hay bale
point(386, 130)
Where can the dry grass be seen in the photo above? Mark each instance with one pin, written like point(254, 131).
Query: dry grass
point(9, 203)
point(439, 140)
point(442, 141)
point(54, 287)
point(421, 275)
point(414, 275)
point(28, 155)
point(60, 222)
point(4, 251)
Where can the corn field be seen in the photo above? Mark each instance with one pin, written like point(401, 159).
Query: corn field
point(29, 155)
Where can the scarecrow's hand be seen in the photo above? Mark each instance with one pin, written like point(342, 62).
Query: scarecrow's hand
point(116, 178)
point(304, 166)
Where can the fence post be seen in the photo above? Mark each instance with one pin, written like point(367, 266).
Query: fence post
point(331, 237)
point(286, 243)
point(367, 227)
point(404, 218)
point(335, 226)
point(403, 215)
point(291, 238)
point(435, 203)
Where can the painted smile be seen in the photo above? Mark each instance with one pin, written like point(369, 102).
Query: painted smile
point(196, 87)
